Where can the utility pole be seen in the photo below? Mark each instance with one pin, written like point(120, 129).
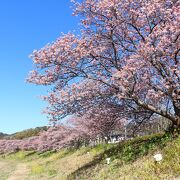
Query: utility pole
point(125, 131)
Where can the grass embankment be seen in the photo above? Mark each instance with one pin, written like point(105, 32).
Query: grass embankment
point(129, 160)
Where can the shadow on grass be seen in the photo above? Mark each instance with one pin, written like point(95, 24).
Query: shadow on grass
point(30, 153)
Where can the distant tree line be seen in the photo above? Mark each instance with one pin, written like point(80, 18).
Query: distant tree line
point(24, 134)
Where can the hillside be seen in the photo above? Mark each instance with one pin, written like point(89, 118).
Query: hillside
point(129, 160)
point(24, 134)
point(2, 135)
point(28, 133)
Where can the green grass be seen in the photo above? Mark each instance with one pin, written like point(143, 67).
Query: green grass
point(134, 160)
point(131, 159)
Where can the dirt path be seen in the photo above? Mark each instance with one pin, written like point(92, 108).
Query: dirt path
point(2, 164)
point(21, 172)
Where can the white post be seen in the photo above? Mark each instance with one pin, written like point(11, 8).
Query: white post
point(108, 160)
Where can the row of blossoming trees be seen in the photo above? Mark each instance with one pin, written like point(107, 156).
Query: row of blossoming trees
point(123, 67)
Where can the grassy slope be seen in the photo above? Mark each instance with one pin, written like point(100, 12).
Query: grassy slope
point(129, 160)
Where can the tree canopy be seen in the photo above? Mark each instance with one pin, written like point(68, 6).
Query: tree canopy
point(123, 66)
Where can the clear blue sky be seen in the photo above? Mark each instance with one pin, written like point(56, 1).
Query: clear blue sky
point(26, 25)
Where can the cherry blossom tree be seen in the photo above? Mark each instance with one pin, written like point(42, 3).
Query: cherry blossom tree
point(98, 121)
point(127, 55)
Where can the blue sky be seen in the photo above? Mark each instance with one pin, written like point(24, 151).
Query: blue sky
point(25, 26)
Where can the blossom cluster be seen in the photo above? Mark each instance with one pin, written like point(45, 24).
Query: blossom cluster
point(126, 57)
point(54, 139)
